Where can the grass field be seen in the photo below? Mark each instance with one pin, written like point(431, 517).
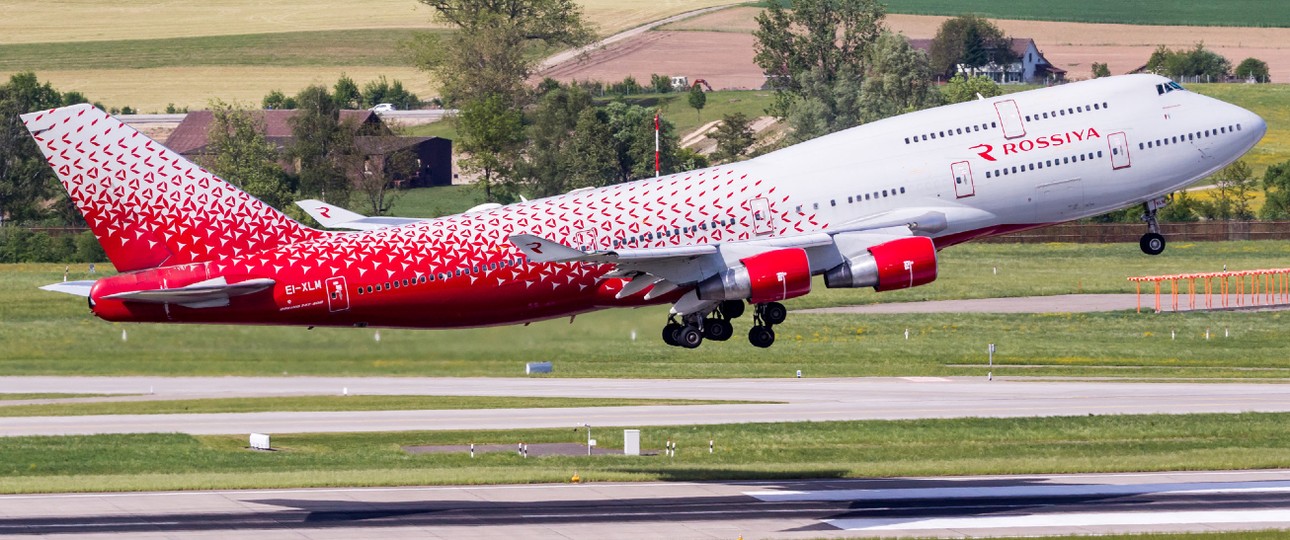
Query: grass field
point(149, 54)
point(744, 451)
point(319, 403)
point(1159, 12)
point(46, 333)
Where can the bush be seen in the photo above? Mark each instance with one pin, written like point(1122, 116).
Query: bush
point(19, 245)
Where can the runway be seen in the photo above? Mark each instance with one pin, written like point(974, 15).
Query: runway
point(794, 400)
point(946, 507)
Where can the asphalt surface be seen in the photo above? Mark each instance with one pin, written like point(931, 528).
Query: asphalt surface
point(946, 507)
point(1065, 303)
point(796, 400)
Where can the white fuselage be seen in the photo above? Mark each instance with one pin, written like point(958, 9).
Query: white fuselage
point(1063, 153)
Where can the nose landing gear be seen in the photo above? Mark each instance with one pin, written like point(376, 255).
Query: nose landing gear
point(1153, 243)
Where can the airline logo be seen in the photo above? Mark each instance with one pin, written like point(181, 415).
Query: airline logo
point(986, 151)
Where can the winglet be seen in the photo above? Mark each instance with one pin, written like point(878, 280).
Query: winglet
point(541, 250)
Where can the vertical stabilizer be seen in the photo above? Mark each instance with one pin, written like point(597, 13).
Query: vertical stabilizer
point(148, 205)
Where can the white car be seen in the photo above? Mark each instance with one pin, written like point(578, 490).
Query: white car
point(382, 107)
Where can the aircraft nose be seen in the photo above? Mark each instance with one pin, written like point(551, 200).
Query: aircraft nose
point(1255, 124)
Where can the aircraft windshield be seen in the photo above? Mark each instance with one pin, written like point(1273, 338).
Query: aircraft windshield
point(1165, 88)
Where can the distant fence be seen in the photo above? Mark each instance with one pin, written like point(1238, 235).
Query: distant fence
point(1103, 233)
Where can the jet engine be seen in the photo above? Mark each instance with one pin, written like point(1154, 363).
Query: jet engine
point(765, 277)
point(898, 264)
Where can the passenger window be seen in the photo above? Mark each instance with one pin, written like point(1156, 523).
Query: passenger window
point(987, 174)
point(884, 193)
point(902, 190)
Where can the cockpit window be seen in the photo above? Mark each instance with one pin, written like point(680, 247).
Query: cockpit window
point(1165, 88)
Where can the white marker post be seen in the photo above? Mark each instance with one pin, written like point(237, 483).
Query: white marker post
point(989, 375)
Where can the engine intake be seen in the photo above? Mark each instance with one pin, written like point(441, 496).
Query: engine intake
point(899, 264)
point(765, 277)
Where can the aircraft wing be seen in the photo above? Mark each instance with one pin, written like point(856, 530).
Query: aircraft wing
point(661, 270)
point(210, 293)
point(335, 217)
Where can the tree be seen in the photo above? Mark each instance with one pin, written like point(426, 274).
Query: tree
point(733, 136)
point(1181, 209)
point(26, 180)
point(382, 161)
point(1276, 185)
point(697, 100)
point(490, 54)
point(545, 167)
point(971, 41)
point(321, 146)
point(899, 79)
point(382, 91)
point(277, 100)
point(1253, 68)
point(961, 89)
point(1198, 62)
point(1101, 70)
point(814, 50)
point(491, 133)
point(346, 93)
point(244, 157)
point(661, 84)
point(1233, 196)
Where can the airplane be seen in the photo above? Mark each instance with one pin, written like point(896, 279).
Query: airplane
point(868, 206)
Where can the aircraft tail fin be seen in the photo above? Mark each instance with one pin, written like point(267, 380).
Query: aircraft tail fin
point(148, 205)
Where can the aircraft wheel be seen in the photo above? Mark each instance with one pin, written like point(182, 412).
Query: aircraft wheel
point(1152, 243)
point(689, 337)
point(669, 334)
point(718, 329)
point(732, 309)
point(773, 313)
point(761, 336)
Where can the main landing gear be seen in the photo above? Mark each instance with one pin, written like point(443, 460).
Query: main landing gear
point(692, 329)
point(1152, 243)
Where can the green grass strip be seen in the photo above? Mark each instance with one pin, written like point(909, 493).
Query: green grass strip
point(746, 451)
point(44, 395)
point(374, 47)
point(326, 403)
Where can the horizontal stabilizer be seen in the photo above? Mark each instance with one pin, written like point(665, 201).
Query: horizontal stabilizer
point(335, 217)
point(210, 293)
point(78, 288)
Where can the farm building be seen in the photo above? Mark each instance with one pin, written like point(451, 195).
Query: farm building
point(372, 137)
point(1031, 67)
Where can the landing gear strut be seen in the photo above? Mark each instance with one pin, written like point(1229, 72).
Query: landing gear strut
point(766, 316)
point(1152, 243)
point(689, 331)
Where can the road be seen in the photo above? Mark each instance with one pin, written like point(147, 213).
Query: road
point(796, 400)
point(947, 507)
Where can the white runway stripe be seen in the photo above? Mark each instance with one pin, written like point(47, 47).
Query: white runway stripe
point(1065, 520)
point(1034, 491)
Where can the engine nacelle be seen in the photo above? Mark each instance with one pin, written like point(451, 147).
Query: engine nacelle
point(766, 277)
point(899, 264)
